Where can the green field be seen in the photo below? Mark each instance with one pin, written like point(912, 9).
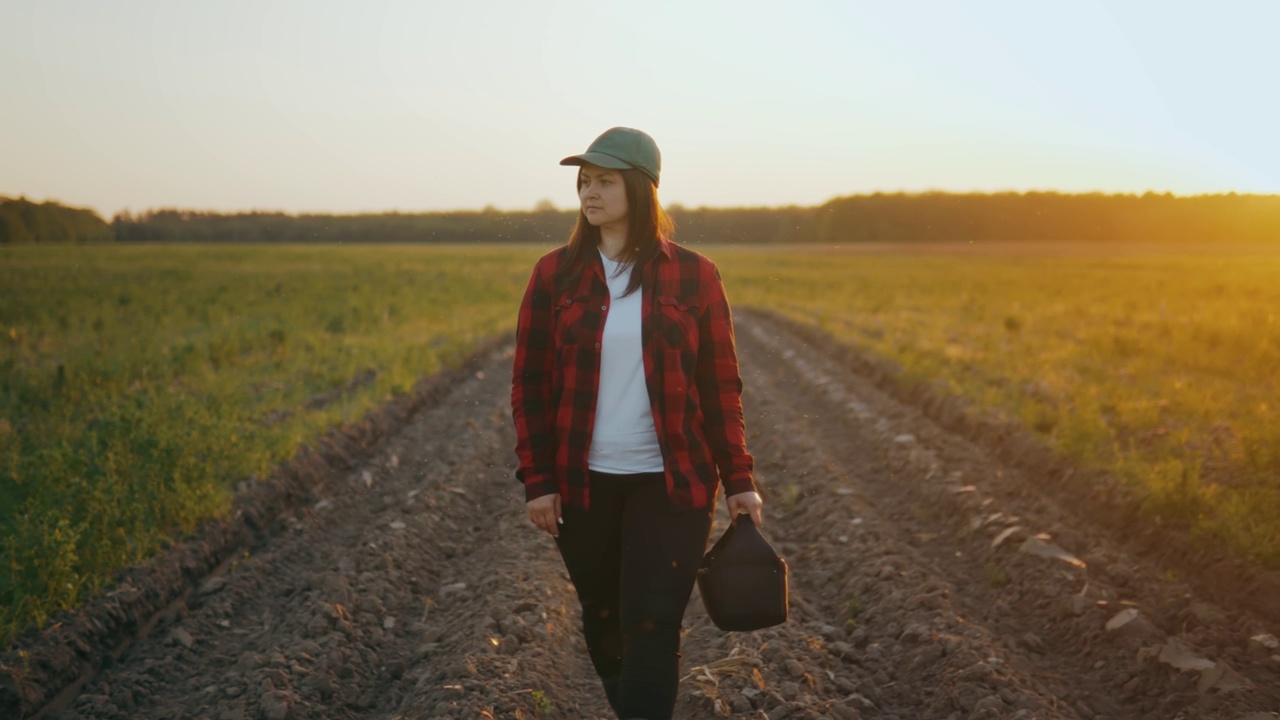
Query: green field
point(141, 383)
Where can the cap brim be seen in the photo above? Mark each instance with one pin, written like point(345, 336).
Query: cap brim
point(598, 159)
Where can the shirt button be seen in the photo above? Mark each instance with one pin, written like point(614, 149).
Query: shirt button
point(597, 346)
point(604, 307)
point(569, 301)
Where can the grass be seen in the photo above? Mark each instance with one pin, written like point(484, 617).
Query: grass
point(853, 607)
point(1159, 368)
point(542, 704)
point(996, 576)
point(141, 382)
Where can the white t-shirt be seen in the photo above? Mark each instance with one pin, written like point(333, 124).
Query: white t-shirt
point(623, 440)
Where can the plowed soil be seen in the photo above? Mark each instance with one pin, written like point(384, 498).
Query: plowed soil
point(931, 577)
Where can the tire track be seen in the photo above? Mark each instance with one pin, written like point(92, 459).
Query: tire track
point(415, 589)
point(898, 524)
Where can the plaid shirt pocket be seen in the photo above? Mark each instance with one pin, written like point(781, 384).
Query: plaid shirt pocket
point(678, 321)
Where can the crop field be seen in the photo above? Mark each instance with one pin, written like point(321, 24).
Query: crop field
point(140, 384)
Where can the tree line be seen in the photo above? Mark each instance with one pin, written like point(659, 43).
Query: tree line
point(1048, 216)
point(879, 217)
point(22, 221)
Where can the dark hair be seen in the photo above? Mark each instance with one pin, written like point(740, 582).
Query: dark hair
point(647, 225)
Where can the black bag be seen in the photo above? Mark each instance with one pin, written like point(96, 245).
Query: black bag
point(742, 580)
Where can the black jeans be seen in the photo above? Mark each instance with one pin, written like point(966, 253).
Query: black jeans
point(633, 558)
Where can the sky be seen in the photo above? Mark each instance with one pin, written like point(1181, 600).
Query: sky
point(392, 105)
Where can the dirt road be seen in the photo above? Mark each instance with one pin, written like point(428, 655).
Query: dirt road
point(928, 579)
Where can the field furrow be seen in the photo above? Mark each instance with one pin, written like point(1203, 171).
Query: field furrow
point(922, 587)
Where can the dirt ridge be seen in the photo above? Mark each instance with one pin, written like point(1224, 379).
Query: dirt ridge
point(1216, 573)
point(1038, 587)
point(45, 663)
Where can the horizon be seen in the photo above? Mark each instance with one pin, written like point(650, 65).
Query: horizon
point(673, 207)
point(343, 109)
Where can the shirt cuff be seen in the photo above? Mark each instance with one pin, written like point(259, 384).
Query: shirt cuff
point(539, 486)
point(739, 485)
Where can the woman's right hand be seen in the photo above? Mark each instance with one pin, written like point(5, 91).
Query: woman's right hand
point(545, 513)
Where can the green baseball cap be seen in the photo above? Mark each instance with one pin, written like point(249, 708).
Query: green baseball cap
point(620, 148)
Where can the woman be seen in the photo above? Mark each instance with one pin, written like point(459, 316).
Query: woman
point(627, 405)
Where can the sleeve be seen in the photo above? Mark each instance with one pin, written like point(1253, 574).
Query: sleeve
point(720, 390)
point(532, 387)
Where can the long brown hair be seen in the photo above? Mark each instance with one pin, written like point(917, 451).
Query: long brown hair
point(647, 225)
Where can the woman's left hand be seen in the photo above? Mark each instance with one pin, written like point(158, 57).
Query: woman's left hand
point(749, 503)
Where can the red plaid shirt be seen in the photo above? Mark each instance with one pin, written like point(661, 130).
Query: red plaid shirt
point(690, 368)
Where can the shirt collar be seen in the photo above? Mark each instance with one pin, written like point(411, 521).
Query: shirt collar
point(665, 249)
point(664, 246)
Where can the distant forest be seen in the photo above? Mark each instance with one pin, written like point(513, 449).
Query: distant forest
point(22, 221)
point(879, 218)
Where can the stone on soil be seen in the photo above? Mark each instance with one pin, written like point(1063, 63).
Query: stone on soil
point(1039, 545)
point(182, 637)
point(276, 705)
point(1177, 655)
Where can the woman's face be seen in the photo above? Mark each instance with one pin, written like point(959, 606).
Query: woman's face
point(603, 195)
